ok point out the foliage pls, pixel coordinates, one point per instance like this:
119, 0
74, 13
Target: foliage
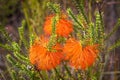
86, 30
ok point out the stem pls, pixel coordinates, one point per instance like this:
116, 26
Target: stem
2, 76
67, 70
106, 60
53, 36
90, 15
101, 19
41, 75
69, 73
58, 74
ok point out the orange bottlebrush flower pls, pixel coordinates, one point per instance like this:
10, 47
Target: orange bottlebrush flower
63, 26
42, 58
78, 56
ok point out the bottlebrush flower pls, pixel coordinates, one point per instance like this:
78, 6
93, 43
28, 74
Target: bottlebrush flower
42, 58
78, 56
63, 26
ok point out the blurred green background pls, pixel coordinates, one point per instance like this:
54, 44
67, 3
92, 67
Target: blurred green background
12, 12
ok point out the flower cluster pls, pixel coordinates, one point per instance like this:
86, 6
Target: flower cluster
63, 26
78, 56
42, 58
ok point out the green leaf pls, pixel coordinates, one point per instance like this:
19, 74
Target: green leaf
115, 45
13, 75
10, 59
80, 7
74, 19
54, 7
6, 46
113, 30
22, 34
